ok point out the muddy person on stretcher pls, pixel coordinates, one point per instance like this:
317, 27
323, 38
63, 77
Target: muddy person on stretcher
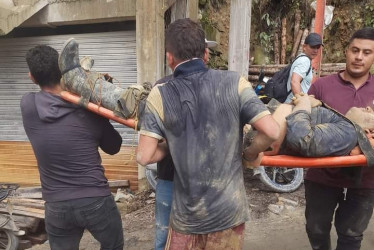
308, 128
311, 129
98, 88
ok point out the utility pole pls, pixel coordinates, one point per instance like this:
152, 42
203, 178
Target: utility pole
318, 28
239, 36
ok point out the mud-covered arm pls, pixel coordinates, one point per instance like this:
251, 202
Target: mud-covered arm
255, 113
111, 140
267, 132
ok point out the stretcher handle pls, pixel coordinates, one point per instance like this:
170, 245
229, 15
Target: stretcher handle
321, 162
67, 96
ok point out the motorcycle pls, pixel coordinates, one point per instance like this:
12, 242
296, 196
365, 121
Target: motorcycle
282, 180
277, 179
9, 232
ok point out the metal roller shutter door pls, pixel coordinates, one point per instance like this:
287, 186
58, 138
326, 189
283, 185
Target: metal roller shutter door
113, 52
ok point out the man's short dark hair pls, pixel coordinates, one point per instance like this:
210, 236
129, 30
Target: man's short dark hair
185, 39
365, 33
43, 65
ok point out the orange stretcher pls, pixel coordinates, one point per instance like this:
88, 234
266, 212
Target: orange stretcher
321, 162
67, 96
268, 161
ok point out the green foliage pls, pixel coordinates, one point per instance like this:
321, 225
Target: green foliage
269, 22
265, 38
266, 19
368, 15
265, 41
217, 3
216, 61
207, 23
363, 17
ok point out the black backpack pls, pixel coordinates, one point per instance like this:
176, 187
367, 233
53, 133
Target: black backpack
276, 87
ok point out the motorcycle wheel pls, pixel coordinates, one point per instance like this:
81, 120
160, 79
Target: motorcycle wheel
8, 240
151, 175
283, 180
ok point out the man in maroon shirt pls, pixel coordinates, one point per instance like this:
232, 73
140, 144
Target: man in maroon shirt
327, 189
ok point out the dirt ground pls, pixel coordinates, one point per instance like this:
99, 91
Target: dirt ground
266, 229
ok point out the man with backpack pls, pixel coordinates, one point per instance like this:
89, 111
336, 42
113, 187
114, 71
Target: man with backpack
300, 76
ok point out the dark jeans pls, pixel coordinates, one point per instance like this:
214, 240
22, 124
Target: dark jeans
65, 222
352, 215
164, 198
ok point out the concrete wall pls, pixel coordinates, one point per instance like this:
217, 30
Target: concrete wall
50, 13
11, 16
65, 12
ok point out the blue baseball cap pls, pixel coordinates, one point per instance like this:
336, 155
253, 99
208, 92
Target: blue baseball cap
313, 39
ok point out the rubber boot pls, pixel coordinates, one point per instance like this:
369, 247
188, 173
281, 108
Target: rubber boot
89, 85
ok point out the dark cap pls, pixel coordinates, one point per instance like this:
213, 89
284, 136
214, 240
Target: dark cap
313, 39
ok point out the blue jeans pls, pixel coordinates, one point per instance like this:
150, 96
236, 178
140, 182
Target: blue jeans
65, 222
164, 197
353, 212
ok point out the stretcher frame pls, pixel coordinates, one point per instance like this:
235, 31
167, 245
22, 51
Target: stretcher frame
268, 161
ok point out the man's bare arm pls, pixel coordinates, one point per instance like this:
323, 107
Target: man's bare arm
150, 150
296, 83
267, 132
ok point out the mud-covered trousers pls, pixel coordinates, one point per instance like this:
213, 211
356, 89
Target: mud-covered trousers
320, 133
354, 208
65, 222
164, 198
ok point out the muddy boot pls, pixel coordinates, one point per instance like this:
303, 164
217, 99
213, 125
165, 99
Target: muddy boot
73, 76
69, 57
89, 85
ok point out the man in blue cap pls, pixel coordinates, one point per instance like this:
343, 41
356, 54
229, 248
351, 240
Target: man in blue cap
301, 73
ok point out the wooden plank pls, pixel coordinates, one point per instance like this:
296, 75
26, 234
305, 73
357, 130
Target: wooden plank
32, 212
27, 223
31, 203
119, 183
37, 239
18, 165
30, 192
24, 244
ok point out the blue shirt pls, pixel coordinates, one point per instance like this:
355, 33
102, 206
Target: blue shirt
300, 66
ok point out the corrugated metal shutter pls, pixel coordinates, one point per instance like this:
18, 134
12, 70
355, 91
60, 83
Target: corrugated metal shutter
113, 52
